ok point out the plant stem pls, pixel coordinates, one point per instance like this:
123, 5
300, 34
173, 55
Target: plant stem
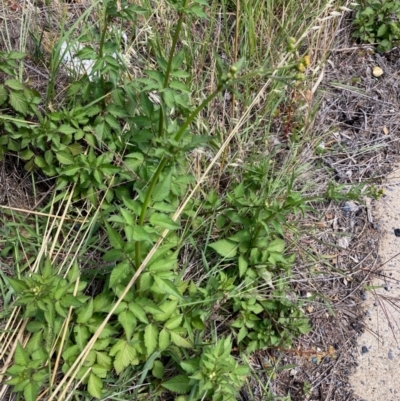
163, 163
169, 64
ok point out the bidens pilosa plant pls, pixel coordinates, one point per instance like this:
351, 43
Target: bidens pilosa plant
112, 144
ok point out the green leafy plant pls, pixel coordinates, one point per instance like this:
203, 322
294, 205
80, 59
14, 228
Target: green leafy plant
214, 375
378, 22
121, 144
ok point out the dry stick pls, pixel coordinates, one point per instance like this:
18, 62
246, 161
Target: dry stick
39, 213
96, 335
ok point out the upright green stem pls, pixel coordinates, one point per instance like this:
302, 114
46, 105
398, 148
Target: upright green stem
163, 163
169, 64
101, 51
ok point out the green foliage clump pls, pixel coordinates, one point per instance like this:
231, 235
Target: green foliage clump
378, 22
126, 154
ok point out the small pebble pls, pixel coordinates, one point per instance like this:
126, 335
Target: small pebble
364, 349
397, 232
390, 355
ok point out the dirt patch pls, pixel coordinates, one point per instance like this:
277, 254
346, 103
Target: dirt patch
378, 348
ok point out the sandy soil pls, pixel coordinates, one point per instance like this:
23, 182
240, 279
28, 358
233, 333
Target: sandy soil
377, 375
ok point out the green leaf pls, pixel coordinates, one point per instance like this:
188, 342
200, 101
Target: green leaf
3, 94
65, 158
164, 339
103, 359
31, 391
73, 273
242, 334
174, 322
17, 285
163, 188
242, 265
128, 322
119, 273
95, 385
277, 245
115, 237
158, 370
18, 102
180, 86
14, 55
100, 370
180, 341
139, 312
124, 355
167, 287
382, 30
151, 338
81, 336
225, 248
21, 357
71, 352
14, 84
85, 312
167, 308
66, 129
178, 384
163, 221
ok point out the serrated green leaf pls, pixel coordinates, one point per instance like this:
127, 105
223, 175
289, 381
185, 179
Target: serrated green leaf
163, 188
178, 384
17, 285
190, 366
124, 356
35, 326
242, 334
14, 84
167, 286
128, 322
117, 111
174, 322
65, 158
151, 338
104, 360
40, 162
66, 129
100, 370
18, 102
180, 86
95, 385
82, 334
21, 357
139, 312
31, 391
163, 221
167, 309
119, 273
71, 352
277, 245
164, 339
114, 236
85, 312
225, 248
180, 341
